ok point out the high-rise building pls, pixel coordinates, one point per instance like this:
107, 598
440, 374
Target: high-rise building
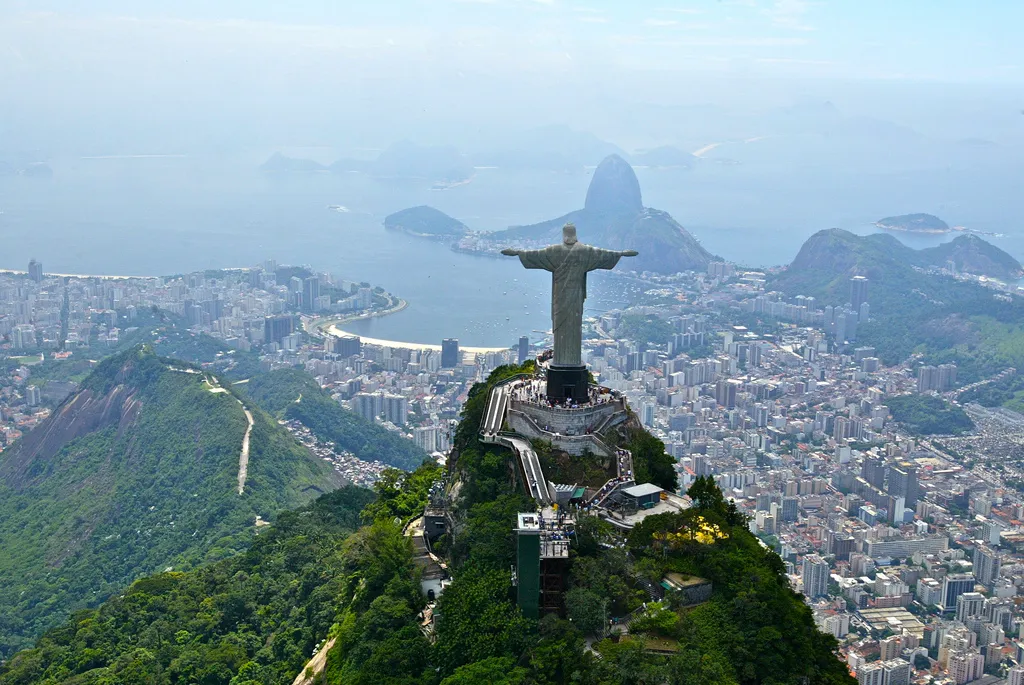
965, 667
858, 292
1015, 676
903, 483
344, 345
815, 576
369, 405
986, 565
449, 353
35, 270
896, 672
32, 396
789, 508
954, 585
23, 336
524, 349
969, 604
310, 293
396, 409
277, 328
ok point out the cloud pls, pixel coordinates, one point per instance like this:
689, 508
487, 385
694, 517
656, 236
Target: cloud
594, 20
660, 22
793, 60
680, 10
789, 14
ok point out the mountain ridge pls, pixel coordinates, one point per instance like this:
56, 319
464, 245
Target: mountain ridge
136, 471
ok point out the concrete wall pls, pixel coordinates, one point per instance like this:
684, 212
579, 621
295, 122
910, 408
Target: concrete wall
570, 421
576, 445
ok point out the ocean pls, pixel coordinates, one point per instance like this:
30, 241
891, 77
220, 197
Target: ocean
165, 215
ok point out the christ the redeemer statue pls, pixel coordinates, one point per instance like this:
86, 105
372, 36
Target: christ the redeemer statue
568, 263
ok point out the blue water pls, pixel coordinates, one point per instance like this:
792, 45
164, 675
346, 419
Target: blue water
173, 215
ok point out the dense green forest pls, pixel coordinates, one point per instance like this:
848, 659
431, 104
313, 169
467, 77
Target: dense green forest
280, 392
253, 619
136, 472
929, 415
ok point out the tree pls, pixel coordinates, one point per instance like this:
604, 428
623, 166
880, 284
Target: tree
586, 610
494, 670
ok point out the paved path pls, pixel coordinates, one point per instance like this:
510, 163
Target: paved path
243, 457
315, 665
494, 418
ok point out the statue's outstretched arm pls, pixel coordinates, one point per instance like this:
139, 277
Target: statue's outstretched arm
510, 252
629, 253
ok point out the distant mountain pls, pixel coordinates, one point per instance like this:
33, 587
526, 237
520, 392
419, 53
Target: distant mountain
426, 222
665, 157
614, 217
278, 164
136, 472
405, 159
830, 257
973, 255
914, 223
548, 148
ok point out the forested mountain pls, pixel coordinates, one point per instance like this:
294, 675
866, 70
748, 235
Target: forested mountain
294, 394
944, 319
136, 472
257, 615
254, 619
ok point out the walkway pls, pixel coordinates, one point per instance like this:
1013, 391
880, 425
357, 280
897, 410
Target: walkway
315, 666
490, 432
243, 457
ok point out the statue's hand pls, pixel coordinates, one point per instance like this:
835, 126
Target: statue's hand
630, 253
509, 252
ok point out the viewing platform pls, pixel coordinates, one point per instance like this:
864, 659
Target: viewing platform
572, 427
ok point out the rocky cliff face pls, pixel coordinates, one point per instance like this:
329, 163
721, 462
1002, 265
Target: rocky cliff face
614, 189
614, 217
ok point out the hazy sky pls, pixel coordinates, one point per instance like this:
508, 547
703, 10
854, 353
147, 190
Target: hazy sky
120, 68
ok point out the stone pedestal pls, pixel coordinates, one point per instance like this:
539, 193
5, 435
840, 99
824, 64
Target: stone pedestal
568, 382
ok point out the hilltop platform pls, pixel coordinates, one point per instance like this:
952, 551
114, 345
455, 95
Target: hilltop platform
572, 427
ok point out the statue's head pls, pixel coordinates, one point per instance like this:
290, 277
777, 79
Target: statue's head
569, 234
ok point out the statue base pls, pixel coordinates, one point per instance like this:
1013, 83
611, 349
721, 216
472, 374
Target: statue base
569, 383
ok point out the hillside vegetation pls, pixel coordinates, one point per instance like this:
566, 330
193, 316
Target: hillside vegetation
911, 311
929, 415
253, 619
294, 394
136, 472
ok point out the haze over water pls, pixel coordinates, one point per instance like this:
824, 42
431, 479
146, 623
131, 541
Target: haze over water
164, 215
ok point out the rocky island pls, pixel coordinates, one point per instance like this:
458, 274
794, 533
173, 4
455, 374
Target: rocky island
914, 223
426, 222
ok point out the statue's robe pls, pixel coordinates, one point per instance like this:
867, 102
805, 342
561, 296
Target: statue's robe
568, 265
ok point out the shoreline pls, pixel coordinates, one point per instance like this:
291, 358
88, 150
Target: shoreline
331, 328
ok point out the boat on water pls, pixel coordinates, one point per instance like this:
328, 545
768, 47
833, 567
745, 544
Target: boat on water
338, 208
